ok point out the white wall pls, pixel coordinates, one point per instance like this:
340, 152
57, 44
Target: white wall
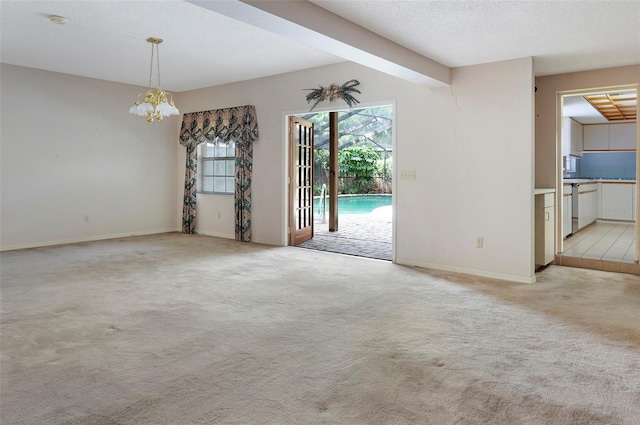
475, 163
217, 218
69, 149
471, 146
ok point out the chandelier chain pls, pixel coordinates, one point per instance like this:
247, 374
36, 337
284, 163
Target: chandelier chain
158, 61
151, 66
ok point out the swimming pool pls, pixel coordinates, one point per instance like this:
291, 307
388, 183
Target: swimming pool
354, 204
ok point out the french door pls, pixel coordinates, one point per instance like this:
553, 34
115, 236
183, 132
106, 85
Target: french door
300, 180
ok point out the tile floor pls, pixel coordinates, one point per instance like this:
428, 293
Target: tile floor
602, 246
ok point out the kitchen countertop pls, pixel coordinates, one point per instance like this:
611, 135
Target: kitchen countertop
582, 181
543, 191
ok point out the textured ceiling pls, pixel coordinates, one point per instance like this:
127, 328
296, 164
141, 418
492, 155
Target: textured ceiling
562, 36
105, 39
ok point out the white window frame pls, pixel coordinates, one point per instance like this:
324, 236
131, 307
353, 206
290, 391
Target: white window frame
222, 158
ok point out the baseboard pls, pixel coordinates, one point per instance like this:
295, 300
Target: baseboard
218, 235
472, 272
614, 221
88, 239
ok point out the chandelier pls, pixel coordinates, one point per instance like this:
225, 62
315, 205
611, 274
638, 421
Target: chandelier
155, 103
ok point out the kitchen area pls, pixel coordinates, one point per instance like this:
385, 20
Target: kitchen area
597, 211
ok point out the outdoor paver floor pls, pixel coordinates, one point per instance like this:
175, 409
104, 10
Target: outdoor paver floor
363, 235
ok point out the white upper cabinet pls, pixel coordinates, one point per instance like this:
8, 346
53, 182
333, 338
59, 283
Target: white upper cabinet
566, 137
596, 137
576, 139
622, 136
571, 137
614, 137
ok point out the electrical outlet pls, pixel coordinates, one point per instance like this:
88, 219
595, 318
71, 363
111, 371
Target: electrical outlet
86, 218
479, 242
219, 215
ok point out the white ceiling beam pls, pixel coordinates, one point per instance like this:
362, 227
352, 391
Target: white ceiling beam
316, 27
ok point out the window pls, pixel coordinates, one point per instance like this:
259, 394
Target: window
216, 167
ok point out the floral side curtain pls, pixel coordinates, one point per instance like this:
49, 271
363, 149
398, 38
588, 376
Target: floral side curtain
238, 124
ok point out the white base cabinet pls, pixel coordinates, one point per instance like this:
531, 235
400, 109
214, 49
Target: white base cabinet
617, 201
566, 211
545, 228
587, 204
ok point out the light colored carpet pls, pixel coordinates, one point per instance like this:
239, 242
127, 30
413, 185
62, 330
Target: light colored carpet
178, 329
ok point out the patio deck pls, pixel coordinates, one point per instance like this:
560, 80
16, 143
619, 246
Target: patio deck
363, 235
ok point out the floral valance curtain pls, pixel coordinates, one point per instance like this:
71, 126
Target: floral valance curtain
238, 124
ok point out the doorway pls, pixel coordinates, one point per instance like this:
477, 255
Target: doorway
597, 173
364, 184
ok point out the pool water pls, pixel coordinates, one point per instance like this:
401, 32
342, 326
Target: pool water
358, 204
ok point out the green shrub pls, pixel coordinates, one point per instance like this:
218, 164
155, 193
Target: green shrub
361, 162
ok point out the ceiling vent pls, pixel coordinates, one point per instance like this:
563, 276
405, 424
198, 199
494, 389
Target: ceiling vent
615, 106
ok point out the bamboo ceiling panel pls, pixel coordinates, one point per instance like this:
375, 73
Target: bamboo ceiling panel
615, 106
